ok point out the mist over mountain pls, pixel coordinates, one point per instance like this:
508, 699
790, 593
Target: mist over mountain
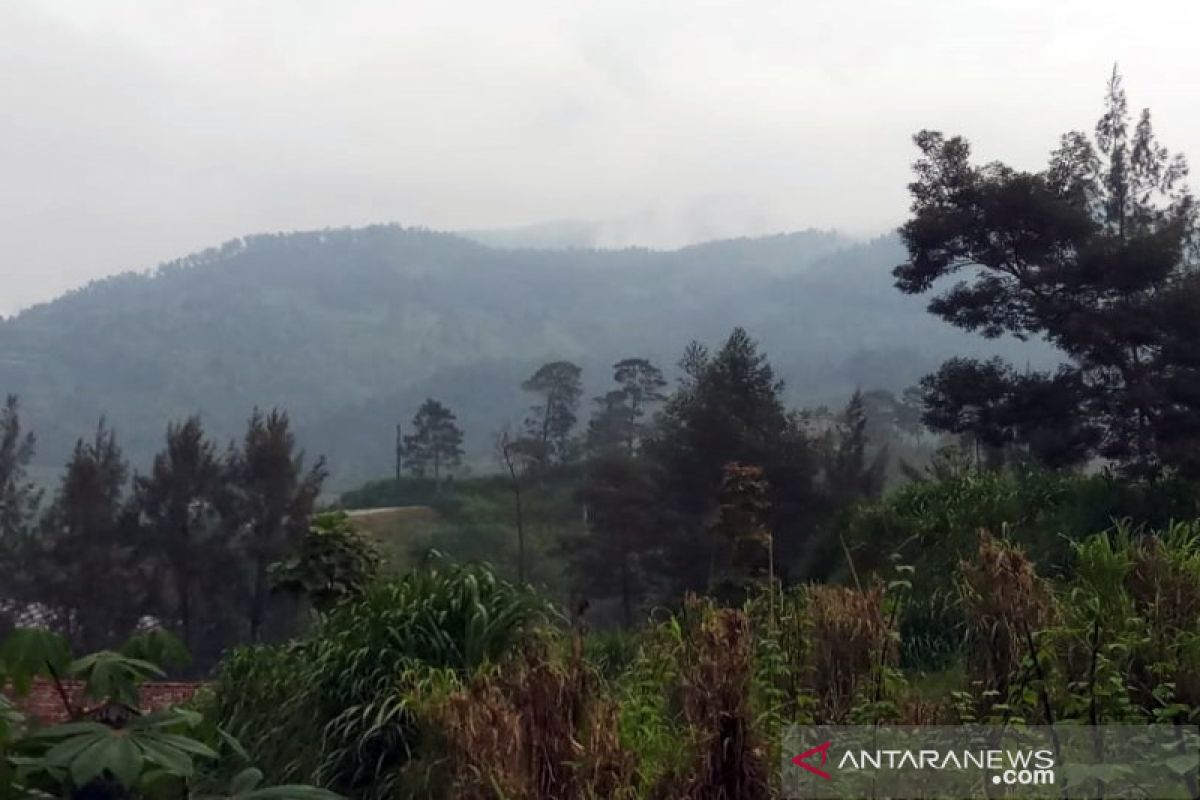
351, 329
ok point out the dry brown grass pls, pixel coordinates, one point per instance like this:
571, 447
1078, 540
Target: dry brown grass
713, 698
848, 642
540, 729
1006, 604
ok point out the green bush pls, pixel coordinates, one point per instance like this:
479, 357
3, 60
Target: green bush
935, 524
335, 706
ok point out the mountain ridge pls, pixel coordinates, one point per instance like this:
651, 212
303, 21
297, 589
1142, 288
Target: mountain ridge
350, 328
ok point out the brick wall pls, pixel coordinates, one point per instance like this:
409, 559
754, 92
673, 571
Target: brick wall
44, 705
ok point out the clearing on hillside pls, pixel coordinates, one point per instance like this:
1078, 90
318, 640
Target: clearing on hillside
396, 528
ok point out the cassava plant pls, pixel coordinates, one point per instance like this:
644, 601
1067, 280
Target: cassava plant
109, 747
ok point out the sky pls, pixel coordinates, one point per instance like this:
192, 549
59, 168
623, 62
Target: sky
136, 131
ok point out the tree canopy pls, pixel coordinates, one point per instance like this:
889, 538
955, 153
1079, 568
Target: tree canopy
1096, 254
435, 445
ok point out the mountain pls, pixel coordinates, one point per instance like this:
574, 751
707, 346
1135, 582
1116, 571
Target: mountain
351, 329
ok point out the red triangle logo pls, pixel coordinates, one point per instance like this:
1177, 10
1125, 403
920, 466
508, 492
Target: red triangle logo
802, 759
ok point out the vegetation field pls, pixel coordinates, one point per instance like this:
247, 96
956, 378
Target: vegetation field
649, 586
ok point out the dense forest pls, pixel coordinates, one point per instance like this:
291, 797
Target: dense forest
351, 330
667, 563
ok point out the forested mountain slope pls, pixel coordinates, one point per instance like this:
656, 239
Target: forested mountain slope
350, 329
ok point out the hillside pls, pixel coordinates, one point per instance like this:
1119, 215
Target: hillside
351, 329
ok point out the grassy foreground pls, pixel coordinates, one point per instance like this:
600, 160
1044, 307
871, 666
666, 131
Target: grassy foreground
450, 682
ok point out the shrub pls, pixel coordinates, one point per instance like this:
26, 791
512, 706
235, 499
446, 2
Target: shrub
541, 725
934, 525
335, 706
1007, 606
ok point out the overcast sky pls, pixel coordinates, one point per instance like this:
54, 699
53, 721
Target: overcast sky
135, 131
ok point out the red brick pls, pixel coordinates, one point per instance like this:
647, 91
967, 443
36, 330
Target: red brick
44, 705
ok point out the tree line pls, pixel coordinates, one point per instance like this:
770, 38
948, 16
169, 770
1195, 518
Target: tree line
199, 541
650, 462
189, 544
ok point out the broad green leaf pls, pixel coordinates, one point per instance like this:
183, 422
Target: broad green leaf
108, 675
66, 751
1181, 764
170, 759
124, 760
29, 653
186, 744
91, 761
71, 729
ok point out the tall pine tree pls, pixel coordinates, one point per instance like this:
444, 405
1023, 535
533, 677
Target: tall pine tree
729, 409
19, 498
1096, 254
552, 419
435, 445
274, 503
91, 570
19, 501
852, 471
620, 417
184, 505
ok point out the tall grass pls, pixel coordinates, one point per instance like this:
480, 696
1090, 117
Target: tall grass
451, 683
335, 707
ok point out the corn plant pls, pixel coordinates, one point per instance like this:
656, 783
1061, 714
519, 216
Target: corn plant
335, 707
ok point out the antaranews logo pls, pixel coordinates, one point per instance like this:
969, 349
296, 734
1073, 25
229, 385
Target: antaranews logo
972, 761
1011, 767
802, 759
1007, 767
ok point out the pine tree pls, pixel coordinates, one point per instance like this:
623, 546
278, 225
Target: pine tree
1095, 254
90, 570
642, 386
611, 424
620, 417
552, 419
19, 502
851, 472
729, 409
624, 514
274, 503
183, 504
742, 547
19, 498
436, 442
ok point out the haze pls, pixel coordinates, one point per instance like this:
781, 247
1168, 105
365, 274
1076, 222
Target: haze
135, 132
